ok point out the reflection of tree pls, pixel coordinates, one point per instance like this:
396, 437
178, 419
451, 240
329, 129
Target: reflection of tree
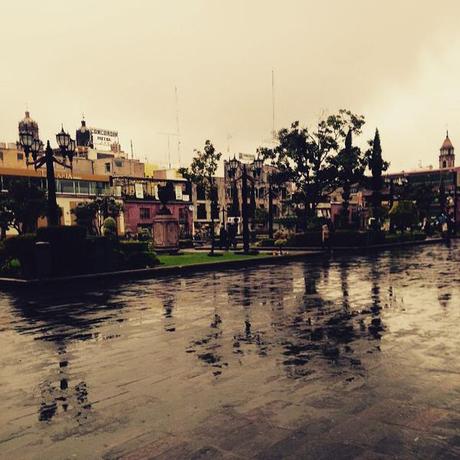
444, 284
207, 348
375, 327
60, 325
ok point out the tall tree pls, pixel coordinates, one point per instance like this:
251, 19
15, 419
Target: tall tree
92, 214
22, 207
303, 156
349, 166
377, 166
202, 173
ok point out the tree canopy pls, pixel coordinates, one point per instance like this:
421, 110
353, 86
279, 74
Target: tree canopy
202, 173
304, 155
22, 207
92, 214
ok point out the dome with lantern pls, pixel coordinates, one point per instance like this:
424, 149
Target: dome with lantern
28, 124
83, 135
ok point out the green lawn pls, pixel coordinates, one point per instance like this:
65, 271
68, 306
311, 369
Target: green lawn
193, 258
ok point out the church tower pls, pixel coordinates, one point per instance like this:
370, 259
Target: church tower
446, 154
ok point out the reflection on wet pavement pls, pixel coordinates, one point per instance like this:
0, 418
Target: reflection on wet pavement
352, 357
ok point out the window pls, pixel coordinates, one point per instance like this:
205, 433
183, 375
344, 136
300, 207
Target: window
20, 156
201, 211
107, 167
200, 193
1, 156
144, 213
84, 187
67, 186
119, 163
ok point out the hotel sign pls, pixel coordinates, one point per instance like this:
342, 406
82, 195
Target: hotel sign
103, 138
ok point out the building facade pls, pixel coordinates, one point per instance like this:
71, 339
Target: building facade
141, 203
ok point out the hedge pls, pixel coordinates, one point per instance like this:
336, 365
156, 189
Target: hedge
128, 247
68, 248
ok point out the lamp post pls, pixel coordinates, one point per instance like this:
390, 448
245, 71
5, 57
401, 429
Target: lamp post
47, 158
258, 167
255, 168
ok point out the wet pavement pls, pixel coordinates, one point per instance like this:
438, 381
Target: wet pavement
353, 357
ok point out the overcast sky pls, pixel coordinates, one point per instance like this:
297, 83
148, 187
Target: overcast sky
396, 62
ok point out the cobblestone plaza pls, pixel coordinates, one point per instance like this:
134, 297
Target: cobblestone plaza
348, 357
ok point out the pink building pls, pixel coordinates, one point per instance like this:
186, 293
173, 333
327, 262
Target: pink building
141, 203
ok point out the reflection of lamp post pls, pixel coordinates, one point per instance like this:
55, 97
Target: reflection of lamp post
48, 158
234, 166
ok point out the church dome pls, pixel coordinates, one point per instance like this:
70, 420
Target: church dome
27, 124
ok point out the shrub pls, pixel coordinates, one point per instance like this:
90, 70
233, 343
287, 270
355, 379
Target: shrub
61, 233
349, 238
144, 235
11, 268
22, 248
141, 260
102, 255
288, 222
266, 243
279, 243
305, 239
110, 227
398, 237
129, 247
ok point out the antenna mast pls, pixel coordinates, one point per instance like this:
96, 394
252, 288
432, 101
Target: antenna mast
132, 150
177, 125
273, 107
169, 145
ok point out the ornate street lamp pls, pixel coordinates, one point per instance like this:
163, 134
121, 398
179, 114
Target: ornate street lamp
26, 140
47, 158
257, 166
234, 166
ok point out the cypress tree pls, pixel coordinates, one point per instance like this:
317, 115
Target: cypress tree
377, 181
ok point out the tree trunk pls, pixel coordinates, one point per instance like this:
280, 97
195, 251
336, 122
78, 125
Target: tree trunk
345, 205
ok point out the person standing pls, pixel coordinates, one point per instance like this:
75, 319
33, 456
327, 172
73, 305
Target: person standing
223, 237
231, 237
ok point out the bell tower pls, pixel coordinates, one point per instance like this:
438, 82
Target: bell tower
446, 154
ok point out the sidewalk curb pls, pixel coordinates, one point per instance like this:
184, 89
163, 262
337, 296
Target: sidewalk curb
157, 271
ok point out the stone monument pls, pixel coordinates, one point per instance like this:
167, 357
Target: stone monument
165, 225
